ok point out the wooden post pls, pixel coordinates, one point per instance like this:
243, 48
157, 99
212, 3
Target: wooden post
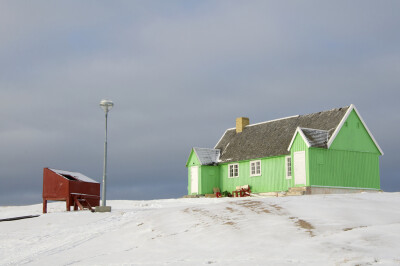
68, 204
44, 205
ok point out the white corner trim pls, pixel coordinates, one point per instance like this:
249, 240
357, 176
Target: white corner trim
339, 127
302, 135
221, 137
198, 158
369, 132
320, 130
187, 162
274, 120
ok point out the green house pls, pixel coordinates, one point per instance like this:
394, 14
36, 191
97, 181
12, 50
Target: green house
326, 152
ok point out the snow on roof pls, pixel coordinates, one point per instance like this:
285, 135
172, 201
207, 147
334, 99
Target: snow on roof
75, 175
207, 156
316, 137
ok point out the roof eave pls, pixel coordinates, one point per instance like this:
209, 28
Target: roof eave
187, 162
223, 135
298, 130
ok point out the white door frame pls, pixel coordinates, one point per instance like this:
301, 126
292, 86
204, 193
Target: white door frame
194, 179
300, 175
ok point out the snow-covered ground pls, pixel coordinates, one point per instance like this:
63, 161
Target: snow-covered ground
356, 229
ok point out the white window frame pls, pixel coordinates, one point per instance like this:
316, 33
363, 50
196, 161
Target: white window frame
288, 159
233, 173
255, 168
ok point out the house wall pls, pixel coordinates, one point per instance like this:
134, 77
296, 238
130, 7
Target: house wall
273, 176
299, 145
353, 136
351, 161
208, 175
208, 179
344, 168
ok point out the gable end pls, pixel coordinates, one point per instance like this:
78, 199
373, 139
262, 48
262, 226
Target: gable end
342, 123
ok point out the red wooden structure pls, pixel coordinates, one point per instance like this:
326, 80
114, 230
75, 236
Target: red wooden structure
242, 191
75, 188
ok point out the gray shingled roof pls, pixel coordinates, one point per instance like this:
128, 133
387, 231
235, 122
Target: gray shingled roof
315, 137
273, 138
207, 156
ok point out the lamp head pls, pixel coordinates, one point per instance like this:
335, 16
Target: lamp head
106, 105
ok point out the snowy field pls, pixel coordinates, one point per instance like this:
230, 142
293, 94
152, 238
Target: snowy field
356, 229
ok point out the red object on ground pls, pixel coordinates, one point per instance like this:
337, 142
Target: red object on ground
244, 191
75, 188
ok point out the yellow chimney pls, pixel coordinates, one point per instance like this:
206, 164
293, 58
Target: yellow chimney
241, 122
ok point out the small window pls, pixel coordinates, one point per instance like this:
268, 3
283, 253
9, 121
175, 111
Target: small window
233, 170
288, 167
255, 168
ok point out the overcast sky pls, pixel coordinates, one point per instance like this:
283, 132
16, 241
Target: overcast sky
179, 73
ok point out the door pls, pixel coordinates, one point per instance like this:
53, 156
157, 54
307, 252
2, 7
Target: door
300, 168
194, 179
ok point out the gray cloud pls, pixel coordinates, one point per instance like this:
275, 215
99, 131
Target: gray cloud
179, 73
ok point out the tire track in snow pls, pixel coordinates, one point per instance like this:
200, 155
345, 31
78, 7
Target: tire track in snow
60, 241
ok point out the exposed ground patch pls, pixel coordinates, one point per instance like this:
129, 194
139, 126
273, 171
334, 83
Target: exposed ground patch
231, 210
352, 228
253, 205
276, 207
208, 218
303, 225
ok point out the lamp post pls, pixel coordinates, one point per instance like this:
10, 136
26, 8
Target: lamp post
106, 105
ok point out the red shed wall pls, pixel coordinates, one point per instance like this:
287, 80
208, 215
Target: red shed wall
54, 186
84, 188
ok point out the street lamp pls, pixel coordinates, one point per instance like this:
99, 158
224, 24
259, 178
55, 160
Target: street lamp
106, 105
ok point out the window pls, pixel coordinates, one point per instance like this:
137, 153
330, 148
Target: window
288, 167
233, 170
255, 168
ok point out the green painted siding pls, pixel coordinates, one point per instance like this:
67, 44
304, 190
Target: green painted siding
273, 176
193, 160
299, 145
354, 137
344, 168
351, 161
208, 179
208, 175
